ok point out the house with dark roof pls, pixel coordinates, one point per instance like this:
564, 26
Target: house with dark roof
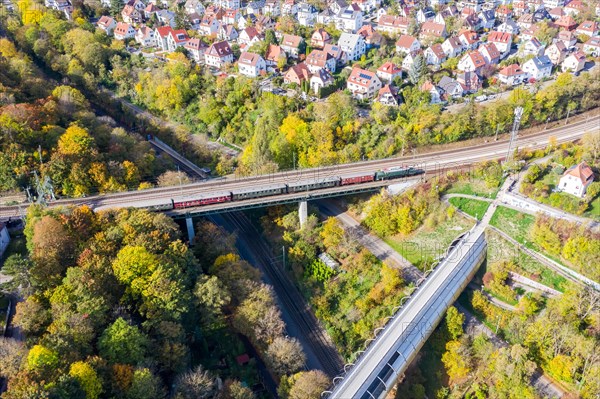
218, 55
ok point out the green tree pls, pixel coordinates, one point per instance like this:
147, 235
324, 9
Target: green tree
123, 343
145, 385
18, 268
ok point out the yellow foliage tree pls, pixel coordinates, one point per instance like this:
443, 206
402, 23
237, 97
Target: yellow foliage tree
87, 378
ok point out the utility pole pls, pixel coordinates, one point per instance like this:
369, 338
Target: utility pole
283, 255
513, 134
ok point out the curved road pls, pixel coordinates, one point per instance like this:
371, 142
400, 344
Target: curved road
432, 163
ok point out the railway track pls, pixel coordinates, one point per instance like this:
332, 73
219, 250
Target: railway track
437, 162
295, 304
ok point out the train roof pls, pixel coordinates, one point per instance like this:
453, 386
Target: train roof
395, 168
260, 189
314, 181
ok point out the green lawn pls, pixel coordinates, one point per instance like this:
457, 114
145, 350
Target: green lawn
424, 245
594, 209
472, 187
470, 206
514, 223
500, 249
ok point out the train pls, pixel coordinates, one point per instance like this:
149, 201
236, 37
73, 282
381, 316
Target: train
287, 188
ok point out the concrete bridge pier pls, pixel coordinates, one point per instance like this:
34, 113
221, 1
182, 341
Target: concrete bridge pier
302, 212
190, 228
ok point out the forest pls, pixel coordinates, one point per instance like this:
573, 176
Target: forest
117, 306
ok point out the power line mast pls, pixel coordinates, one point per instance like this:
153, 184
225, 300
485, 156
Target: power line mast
513, 134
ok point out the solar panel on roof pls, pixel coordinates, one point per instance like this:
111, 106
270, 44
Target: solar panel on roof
364, 76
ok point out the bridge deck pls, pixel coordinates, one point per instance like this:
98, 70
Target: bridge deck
390, 354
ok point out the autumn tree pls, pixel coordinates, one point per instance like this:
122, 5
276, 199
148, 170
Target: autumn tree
88, 379
195, 384
285, 355
308, 385
454, 322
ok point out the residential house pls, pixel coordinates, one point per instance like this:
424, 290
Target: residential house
451, 87
255, 7
532, 47
209, 26
289, 7
512, 75
554, 3
556, 13
246, 20
194, 21
389, 95
353, 45
196, 49
470, 82
176, 38
363, 84
251, 65
574, 7
452, 47
320, 38
306, 15
557, 52
471, 62
568, 38
503, 13
490, 53
107, 24
469, 39
587, 28
322, 78
337, 53
166, 17
218, 55
407, 44
319, 59
526, 21
274, 55
388, 72
292, 45
538, 68
131, 15
508, 26
409, 60
434, 91
592, 46
227, 32
433, 30
194, 6
297, 74
150, 10
124, 31
576, 180
529, 33
231, 17
435, 55
272, 8
393, 25
371, 36
264, 23
488, 19
473, 22
249, 36
424, 14
502, 40
228, 4
566, 22
574, 62
145, 37
349, 20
